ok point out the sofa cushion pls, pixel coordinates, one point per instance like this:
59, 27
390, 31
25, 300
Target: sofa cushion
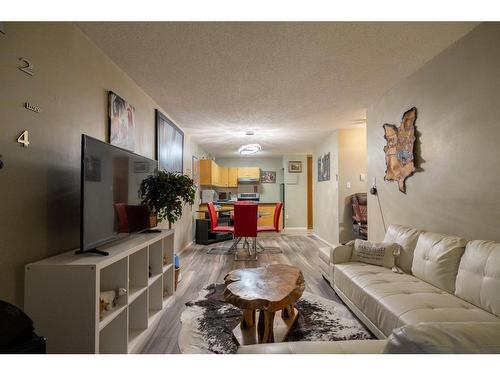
436, 259
407, 239
379, 254
316, 347
445, 338
478, 278
391, 300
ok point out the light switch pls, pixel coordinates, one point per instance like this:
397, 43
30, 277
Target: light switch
348, 185
362, 177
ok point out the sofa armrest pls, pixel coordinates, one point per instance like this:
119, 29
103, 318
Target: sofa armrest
445, 338
340, 254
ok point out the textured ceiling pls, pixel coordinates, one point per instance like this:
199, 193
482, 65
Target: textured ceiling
292, 83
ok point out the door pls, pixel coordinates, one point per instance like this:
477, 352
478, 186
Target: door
309, 193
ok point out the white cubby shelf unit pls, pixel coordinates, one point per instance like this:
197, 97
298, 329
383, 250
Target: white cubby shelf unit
62, 295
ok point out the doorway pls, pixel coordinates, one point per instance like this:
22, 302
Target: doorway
309, 192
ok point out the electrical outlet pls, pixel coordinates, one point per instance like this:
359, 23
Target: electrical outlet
348, 185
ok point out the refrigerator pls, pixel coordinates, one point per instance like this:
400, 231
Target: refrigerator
282, 199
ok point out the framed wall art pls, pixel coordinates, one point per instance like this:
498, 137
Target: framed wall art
268, 177
324, 167
294, 166
121, 122
169, 144
195, 167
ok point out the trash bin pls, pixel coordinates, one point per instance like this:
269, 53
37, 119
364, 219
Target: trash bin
17, 334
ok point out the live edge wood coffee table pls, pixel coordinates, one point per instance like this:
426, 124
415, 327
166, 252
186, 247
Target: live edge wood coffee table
268, 289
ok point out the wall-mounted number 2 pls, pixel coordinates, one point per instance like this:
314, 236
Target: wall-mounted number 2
24, 138
28, 68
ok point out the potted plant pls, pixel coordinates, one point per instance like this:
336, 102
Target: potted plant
165, 193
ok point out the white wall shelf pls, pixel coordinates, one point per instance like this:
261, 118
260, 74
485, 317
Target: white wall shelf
62, 295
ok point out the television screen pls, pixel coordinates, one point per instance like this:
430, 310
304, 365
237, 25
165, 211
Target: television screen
110, 202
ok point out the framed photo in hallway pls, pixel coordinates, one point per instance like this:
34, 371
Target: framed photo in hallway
324, 167
121, 122
169, 144
294, 166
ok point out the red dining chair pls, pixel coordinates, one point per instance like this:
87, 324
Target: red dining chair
216, 228
245, 226
276, 224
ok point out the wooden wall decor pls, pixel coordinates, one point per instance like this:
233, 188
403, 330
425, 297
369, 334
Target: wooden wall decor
399, 156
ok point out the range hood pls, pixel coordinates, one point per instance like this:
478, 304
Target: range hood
248, 180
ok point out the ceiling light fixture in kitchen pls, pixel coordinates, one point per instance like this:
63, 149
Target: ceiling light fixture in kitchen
249, 149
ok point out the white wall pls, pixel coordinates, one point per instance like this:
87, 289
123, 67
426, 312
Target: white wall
296, 195
332, 204
268, 192
325, 193
457, 96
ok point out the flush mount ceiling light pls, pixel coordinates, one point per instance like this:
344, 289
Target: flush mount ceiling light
249, 149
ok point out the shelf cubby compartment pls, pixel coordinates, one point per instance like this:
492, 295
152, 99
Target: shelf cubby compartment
137, 318
114, 337
168, 250
113, 277
155, 297
168, 283
155, 258
138, 273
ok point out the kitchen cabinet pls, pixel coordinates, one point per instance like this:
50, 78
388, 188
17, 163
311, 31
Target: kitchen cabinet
223, 176
213, 175
209, 173
249, 172
232, 177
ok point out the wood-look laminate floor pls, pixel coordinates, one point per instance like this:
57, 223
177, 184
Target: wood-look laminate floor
200, 269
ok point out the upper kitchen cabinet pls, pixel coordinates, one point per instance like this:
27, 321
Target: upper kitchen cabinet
223, 176
209, 173
232, 177
249, 172
213, 175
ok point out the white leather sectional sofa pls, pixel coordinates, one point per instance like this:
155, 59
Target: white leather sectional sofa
446, 301
446, 279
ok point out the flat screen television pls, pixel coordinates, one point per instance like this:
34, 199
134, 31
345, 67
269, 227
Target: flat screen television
110, 202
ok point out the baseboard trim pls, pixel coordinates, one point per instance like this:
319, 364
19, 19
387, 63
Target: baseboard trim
323, 240
185, 247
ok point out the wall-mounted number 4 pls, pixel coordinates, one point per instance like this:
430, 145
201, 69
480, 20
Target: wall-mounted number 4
24, 138
28, 68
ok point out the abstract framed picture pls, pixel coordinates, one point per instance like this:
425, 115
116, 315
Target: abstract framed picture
121, 122
195, 167
294, 166
169, 144
268, 177
324, 167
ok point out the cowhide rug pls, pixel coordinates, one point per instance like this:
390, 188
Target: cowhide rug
208, 322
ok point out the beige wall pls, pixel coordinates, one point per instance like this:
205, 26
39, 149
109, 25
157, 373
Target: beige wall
352, 164
296, 194
457, 95
326, 193
268, 192
332, 206
39, 185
